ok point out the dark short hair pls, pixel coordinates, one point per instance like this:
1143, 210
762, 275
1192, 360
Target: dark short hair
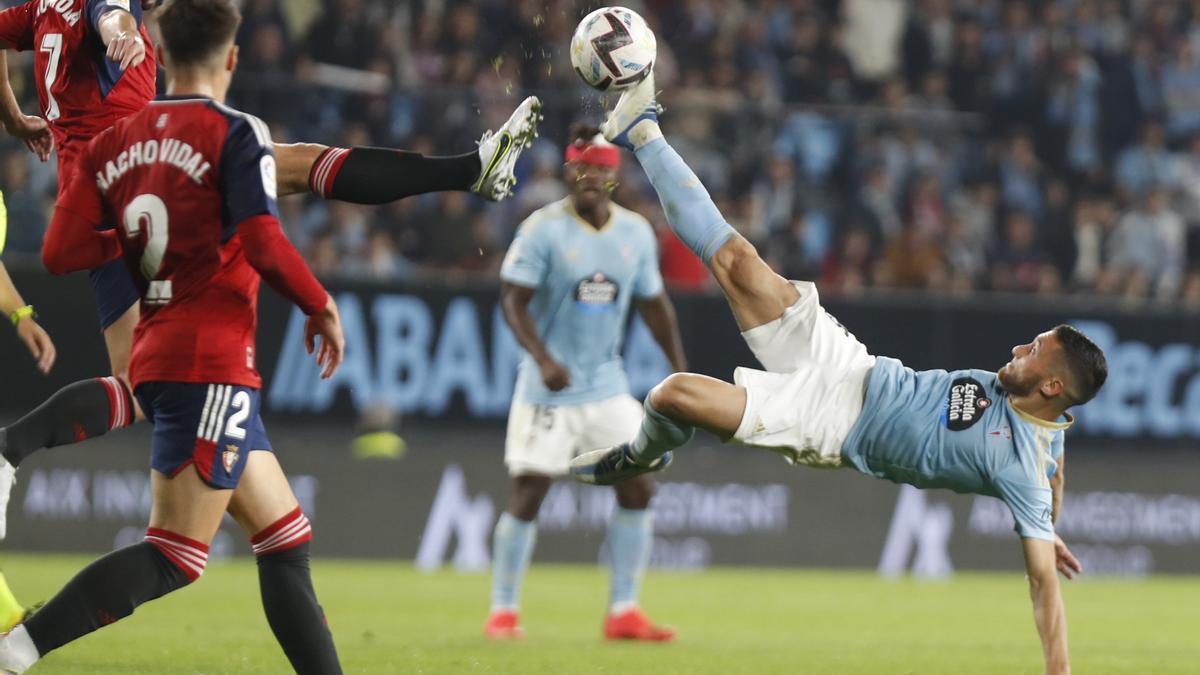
193, 30
1086, 366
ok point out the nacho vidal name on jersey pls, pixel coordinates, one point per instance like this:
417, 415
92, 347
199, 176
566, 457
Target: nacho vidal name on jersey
170, 151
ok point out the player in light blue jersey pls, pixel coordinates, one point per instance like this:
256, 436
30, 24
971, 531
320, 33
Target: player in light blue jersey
824, 401
568, 281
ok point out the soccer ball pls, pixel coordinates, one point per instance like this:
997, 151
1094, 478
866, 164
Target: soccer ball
613, 48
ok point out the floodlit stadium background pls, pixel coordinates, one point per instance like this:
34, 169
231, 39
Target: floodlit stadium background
957, 176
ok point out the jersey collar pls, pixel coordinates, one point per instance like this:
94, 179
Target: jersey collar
1037, 421
612, 215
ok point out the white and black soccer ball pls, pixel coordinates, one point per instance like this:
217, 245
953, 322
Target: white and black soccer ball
613, 48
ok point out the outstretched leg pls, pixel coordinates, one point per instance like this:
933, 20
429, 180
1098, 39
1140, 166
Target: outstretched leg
756, 294
381, 175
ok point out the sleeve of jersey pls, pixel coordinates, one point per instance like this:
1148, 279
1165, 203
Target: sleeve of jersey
72, 241
649, 282
269, 252
96, 9
526, 264
16, 27
1031, 507
247, 170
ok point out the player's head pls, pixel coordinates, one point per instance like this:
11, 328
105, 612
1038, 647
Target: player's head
591, 167
1061, 364
197, 40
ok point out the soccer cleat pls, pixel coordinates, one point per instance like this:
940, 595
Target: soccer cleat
613, 465
633, 624
503, 624
8, 478
635, 105
498, 151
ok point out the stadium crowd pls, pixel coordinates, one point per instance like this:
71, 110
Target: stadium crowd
951, 145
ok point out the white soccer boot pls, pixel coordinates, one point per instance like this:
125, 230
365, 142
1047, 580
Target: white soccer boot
498, 151
636, 105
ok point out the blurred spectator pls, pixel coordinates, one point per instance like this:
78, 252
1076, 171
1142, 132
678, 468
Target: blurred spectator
867, 142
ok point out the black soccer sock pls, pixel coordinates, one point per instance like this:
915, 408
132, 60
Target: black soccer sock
292, 610
110, 589
380, 175
76, 412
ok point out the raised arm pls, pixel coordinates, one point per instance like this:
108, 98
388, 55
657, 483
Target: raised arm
659, 315
1048, 612
122, 40
514, 302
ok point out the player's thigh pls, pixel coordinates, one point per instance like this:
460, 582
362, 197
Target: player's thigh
186, 505
294, 162
263, 495
700, 401
540, 439
805, 415
609, 422
756, 294
806, 334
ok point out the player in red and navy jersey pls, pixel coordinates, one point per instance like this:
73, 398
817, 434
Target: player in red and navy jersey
190, 185
93, 66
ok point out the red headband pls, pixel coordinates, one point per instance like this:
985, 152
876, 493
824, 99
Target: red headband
594, 153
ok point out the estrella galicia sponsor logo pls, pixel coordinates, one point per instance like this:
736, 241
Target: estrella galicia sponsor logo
596, 293
966, 404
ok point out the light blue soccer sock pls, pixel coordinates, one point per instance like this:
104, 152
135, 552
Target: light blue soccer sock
690, 210
512, 548
630, 540
658, 435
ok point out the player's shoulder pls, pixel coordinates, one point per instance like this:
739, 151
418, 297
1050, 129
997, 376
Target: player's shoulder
544, 221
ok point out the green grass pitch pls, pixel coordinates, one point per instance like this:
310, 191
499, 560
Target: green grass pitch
389, 618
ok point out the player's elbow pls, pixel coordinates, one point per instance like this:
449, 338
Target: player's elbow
54, 260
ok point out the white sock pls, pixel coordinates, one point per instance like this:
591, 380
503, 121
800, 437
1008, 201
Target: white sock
17, 651
643, 132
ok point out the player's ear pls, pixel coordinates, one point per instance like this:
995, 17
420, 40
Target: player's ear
231, 59
161, 55
1053, 387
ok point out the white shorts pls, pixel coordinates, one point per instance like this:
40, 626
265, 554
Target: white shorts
543, 439
811, 393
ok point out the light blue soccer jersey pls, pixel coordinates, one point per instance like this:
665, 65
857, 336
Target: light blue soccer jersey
584, 281
957, 430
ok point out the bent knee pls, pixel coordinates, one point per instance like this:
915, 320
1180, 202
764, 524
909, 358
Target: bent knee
735, 253
676, 394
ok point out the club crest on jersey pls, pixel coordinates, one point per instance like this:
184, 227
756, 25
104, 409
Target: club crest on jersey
596, 293
229, 458
965, 404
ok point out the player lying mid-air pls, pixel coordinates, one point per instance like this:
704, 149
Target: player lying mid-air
824, 401
198, 236
93, 67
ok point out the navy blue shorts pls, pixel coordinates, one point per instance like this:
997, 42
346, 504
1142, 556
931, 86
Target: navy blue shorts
114, 289
212, 426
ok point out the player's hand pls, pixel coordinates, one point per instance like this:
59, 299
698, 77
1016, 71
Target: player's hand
554, 375
35, 132
327, 324
39, 343
126, 50
1064, 560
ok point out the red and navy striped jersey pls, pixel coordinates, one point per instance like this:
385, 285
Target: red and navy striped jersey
80, 91
177, 179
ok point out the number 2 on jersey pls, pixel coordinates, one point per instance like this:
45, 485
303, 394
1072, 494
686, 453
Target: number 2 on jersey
52, 43
148, 212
